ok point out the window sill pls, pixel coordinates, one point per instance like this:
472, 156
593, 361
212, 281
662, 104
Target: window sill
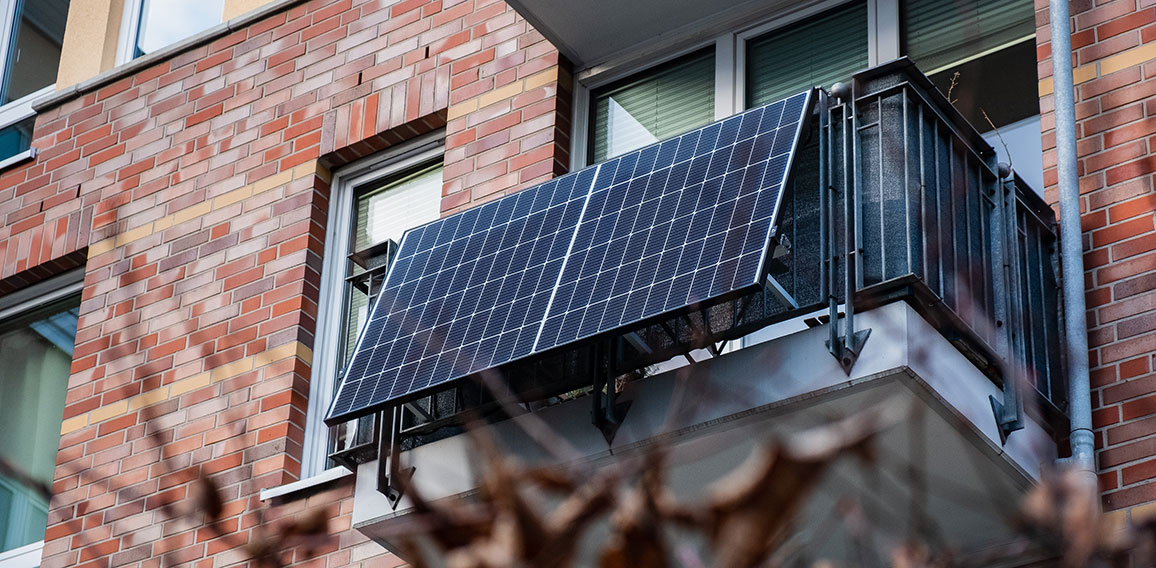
27, 556
17, 159
291, 491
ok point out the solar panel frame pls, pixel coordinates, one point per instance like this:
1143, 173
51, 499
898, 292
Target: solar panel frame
622, 202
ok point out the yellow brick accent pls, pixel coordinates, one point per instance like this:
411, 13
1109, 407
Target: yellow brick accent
190, 384
134, 234
275, 180
224, 372
232, 197
105, 412
548, 76
149, 398
275, 354
461, 109
73, 424
1080, 74
1143, 513
233, 369
99, 248
1130, 58
190, 213
509, 91
162, 224
304, 353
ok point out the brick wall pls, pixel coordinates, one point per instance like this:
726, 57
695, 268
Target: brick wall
1115, 59
194, 191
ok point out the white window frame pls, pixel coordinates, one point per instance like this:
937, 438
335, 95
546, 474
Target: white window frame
27, 556
883, 44
331, 307
21, 108
129, 27
13, 305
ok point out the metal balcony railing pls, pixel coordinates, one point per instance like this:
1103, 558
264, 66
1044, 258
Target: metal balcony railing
918, 209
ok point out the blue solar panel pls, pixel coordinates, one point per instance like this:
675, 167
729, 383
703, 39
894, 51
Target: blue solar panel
677, 223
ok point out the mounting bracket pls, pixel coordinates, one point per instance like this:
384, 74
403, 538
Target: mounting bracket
846, 349
607, 412
1009, 413
391, 477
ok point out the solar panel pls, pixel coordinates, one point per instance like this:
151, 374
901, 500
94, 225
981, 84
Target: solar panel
683, 221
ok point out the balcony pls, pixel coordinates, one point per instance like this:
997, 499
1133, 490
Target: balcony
907, 264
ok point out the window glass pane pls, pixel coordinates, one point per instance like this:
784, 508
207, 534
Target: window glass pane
163, 22
659, 103
384, 212
37, 353
939, 32
814, 53
16, 138
34, 52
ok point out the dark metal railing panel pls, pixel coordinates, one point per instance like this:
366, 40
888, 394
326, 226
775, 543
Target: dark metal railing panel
926, 202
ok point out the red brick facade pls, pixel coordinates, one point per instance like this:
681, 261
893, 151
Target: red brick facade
194, 191
1115, 59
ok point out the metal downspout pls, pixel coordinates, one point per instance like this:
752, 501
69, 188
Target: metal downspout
1071, 247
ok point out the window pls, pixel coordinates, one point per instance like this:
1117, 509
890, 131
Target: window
982, 53
988, 42
659, 103
818, 51
372, 207
36, 341
152, 24
30, 50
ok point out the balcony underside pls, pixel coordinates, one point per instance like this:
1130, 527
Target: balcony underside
971, 482
589, 32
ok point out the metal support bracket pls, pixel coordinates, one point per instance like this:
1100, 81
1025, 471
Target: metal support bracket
1009, 413
607, 411
391, 477
846, 349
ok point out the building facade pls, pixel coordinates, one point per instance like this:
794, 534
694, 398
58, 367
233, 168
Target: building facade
198, 212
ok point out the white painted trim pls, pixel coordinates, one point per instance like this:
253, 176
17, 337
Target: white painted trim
18, 158
331, 474
726, 73
21, 108
884, 31
27, 556
8, 12
330, 309
41, 293
129, 28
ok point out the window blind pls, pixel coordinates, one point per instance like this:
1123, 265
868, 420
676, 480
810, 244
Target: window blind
812, 53
941, 32
659, 103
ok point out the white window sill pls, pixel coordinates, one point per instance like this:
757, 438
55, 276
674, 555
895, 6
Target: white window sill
18, 158
27, 556
286, 491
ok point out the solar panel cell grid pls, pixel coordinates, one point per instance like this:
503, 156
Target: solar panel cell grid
656, 230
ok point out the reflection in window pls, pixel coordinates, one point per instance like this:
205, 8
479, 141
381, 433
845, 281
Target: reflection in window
34, 48
36, 350
814, 53
666, 101
163, 22
16, 138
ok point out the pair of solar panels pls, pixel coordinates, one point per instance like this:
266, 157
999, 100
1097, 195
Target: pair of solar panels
680, 222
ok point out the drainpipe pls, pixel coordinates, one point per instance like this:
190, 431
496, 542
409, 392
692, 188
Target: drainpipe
1071, 248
